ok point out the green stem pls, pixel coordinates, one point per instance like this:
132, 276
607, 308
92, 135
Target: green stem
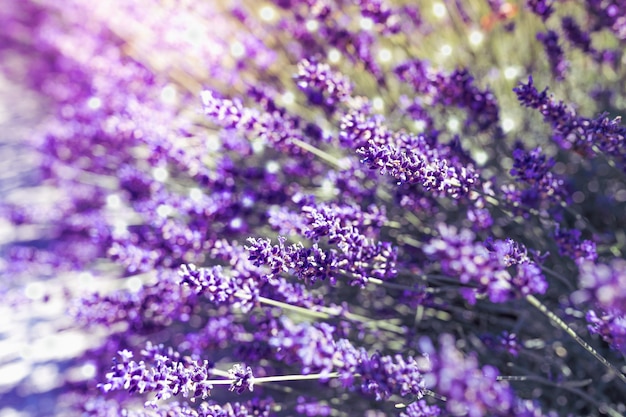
327, 313
570, 387
276, 378
556, 320
320, 153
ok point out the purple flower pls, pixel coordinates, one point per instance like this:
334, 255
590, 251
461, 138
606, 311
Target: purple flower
576, 35
315, 348
605, 284
410, 160
318, 78
373, 220
608, 15
167, 376
358, 255
454, 89
542, 8
574, 132
533, 169
421, 409
556, 58
611, 327
210, 281
309, 264
470, 389
242, 378
312, 408
572, 245
484, 269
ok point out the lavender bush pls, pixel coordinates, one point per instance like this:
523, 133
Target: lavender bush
318, 208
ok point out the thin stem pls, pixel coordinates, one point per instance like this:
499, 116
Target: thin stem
558, 276
286, 306
279, 378
276, 378
402, 287
567, 386
320, 153
556, 320
327, 313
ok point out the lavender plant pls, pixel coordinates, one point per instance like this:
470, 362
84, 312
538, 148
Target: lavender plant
333, 208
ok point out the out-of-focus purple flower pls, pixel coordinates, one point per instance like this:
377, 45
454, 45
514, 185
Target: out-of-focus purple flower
312, 346
153, 306
454, 89
483, 269
421, 409
469, 389
556, 58
230, 114
504, 341
608, 14
318, 79
312, 408
576, 35
532, 168
574, 132
380, 13
481, 219
99, 407
542, 8
317, 350
605, 284
611, 327
573, 246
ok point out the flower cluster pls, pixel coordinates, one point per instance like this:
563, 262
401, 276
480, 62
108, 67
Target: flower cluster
470, 390
606, 284
483, 269
455, 89
167, 376
315, 207
316, 79
533, 168
317, 350
570, 131
554, 52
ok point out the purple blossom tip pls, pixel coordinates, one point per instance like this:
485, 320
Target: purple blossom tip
242, 378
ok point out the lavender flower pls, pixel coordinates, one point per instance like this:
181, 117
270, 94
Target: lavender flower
605, 284
571, 131
318, 195
409, 159
534, 169
558, 65
542, 8
573, 246
380, 375
474, 264
314, 78
242, 378
454, 89
576, 35
421, 409
312, 408
471, 390
611, 327
167, 377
